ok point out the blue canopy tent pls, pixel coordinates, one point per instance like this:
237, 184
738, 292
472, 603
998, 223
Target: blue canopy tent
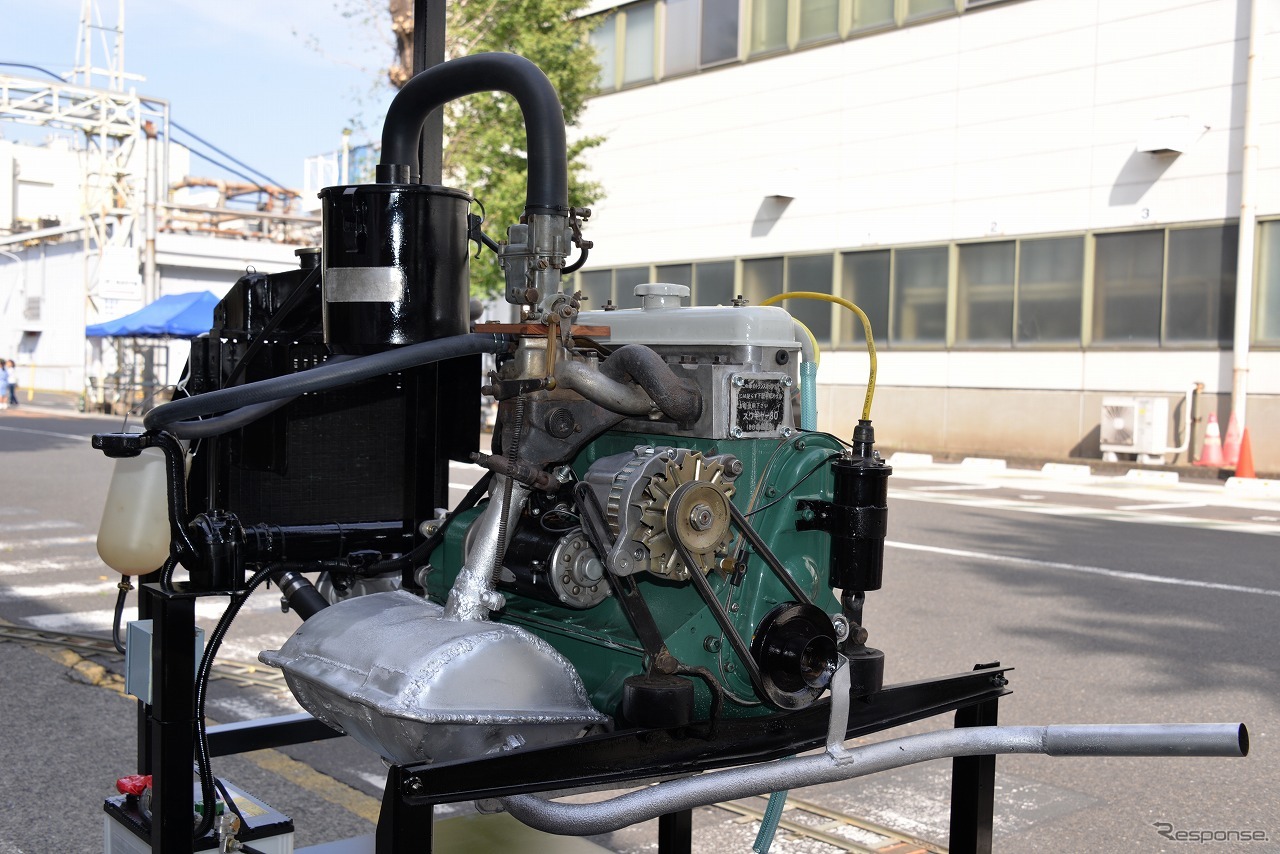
141, 342
171, 316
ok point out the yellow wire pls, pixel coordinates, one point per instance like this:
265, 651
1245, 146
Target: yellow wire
817, 351
866, 327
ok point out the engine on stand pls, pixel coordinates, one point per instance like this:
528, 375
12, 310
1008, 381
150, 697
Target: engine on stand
662, 571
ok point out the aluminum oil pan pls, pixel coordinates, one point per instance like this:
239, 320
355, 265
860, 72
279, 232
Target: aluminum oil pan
387, 670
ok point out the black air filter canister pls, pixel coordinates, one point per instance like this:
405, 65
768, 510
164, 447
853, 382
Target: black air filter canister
394, 265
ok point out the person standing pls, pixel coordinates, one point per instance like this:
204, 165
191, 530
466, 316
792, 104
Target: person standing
11, 382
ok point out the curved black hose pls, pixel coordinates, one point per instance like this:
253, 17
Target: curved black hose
176, 480
233, 420
576, 265
236, 418
323, 377
548, 187
202, 683
679, 399
125, 586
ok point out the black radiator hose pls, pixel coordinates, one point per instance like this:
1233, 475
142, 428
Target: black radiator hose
548, 187
324, 377
679, 399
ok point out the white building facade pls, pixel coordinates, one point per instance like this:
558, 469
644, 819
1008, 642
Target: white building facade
1039, 203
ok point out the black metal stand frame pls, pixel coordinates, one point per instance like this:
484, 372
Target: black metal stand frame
167, 741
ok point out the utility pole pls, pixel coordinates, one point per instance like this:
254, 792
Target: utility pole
428, 50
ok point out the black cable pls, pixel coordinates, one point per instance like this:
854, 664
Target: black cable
189, 133
125, 586
264, 176
222, 165
231, 804
406, 562
57, 77
576, 265
202, 683
795, 485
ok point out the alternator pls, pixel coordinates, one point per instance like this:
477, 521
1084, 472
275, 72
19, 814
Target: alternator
636, 490
702, 517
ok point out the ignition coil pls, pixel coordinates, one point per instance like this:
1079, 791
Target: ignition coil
857, 520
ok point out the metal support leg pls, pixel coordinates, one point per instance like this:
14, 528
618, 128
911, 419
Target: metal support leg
403, 828
172, 724
675, 833
973, 783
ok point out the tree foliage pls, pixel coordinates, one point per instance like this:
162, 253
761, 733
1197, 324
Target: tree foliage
484, 134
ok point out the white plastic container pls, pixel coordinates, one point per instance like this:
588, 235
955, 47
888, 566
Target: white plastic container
133, 538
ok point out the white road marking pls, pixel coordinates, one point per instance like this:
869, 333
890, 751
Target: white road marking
40, 526
1169, 506
50, 591
29, 567
1108, 514
16, 511
84, 439
463, 486
47, 542
956, 487
378, 781
101, 619
1088, 570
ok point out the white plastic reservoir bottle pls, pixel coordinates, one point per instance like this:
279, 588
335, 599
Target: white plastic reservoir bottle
133, 538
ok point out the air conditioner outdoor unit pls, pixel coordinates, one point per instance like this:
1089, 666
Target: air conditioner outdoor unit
1134, 425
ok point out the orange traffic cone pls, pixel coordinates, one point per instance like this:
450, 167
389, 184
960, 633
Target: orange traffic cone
1244, 468
1231, 442
1211, 451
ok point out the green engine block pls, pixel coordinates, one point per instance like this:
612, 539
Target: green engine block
600, 642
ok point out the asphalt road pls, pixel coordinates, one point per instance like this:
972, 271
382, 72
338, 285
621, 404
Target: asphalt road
1108, 614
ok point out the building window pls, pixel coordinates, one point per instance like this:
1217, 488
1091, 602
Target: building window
1050, 290
864, 281
768, 26
625, 280
638, 49
819, 20
1200, 285
675, 274
920, 296
713, 283
916, 9
1128, 271
871, 14
719, 31
1266, 319
984, 307
604, 39
761, 279
698, 33
596, 287
680, 45
811, 273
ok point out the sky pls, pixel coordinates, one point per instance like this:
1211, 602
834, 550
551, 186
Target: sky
268, 81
